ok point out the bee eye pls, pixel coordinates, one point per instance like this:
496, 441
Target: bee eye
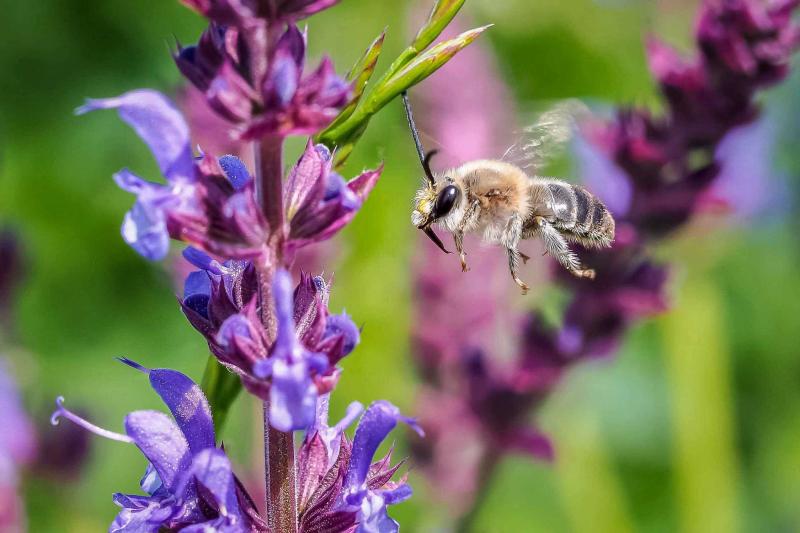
445, 201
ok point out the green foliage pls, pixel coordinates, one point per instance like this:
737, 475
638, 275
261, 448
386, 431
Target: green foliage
221, 387
413, 65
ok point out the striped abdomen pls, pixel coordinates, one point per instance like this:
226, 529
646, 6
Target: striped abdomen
578, 214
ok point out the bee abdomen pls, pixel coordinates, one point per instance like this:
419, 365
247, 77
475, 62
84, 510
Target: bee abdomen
581, 215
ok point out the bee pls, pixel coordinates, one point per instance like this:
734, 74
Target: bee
505, 204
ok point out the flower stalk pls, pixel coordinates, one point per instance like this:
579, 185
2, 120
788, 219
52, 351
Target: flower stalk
279, 454
269, 186
281, 480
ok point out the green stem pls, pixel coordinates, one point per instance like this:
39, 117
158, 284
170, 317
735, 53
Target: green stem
221, 387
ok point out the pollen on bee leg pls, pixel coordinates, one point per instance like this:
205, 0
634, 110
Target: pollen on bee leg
85, 424
587, 273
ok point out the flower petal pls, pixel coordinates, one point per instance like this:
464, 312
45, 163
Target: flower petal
188, 405
312, 167
342, 325
145, 230
130, 182
373, 517
162, 442
197, 284
286, 343
379, 419
293, 396
203, 261
160, 125
212, 469
140, 515
235, 170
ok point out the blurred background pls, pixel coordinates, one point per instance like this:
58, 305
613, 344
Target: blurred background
676, 432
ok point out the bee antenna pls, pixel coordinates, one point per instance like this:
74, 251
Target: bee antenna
423, 159
426, 164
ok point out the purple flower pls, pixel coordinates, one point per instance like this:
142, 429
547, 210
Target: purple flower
746, 39
210, 203
366, 487
163, 129
229, 221
339, 487
188, 481
317, 201
243, 11
263, 98
291, 371
206, 202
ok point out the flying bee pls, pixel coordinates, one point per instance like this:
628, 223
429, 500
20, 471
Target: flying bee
505, 204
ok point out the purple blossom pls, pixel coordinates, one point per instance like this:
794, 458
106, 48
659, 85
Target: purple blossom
300, 364
317, 201
188, 480
362, 489
243, 12
162, 128
263, 98
204, 201
339, 486
210, 203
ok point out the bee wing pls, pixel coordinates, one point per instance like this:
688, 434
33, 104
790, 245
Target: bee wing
546, 138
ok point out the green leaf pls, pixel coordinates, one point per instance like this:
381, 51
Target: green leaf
423, 66
221, 387
359, 75
416, 70
441, 15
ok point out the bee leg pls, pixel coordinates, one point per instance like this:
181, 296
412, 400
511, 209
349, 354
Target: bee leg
510, 239
557, 246
513, 266
469, 218
458, 238
524, 258
587, 273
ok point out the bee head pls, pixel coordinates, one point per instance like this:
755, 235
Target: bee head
433, 201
